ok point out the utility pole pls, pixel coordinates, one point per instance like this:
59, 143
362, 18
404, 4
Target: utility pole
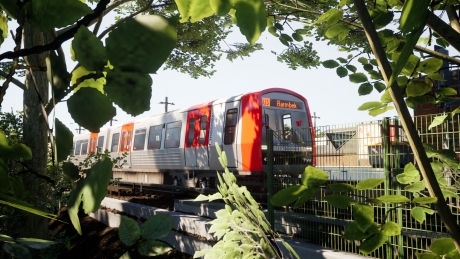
111, 121
314, 120
166, 104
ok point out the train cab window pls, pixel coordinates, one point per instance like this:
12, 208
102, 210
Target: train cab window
230, 126
173, 134
191, 131
100, 143
84, 147
139, 139
78, 148
203, 122
114, 146
154, 137
287, 126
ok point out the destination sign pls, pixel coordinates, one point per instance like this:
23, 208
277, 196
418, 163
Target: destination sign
281, 103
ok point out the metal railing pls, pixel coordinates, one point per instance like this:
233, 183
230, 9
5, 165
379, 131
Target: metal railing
351, 153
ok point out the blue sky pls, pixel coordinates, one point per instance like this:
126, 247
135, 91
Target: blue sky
335, 100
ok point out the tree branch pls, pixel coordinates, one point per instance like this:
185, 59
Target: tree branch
14, 80
444, 30
453, 18
56, 43
408, 125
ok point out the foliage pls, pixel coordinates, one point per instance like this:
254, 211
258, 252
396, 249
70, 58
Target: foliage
363, 228
241, 228
146, 238
20, 247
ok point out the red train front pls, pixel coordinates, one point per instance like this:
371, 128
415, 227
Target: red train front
178, 147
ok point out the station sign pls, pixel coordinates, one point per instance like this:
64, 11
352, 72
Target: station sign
282, 103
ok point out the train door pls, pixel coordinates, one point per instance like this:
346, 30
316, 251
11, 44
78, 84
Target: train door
190, 152
231, 133
202, 155
93, 143
126, 138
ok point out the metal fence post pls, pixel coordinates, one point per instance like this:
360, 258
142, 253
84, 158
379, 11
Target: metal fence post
397, 187
271, 213
386, 150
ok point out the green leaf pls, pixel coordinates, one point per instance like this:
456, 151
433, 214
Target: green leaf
272, 31
411, 170
46, 15
16, 250
369, 183
335, 16
71, 170
427, 256
365, 89
157, 226
4, 179
220, 7
407, 179
336, 30
90, 190
373, 243
89, 50
363, 215
35, 243
17, 187
363, 60
15, 151
155, 38
452, 255
330, 63
438, 120
447, 91
288, 195
297, 36
125, 256
393, 199
378, 111
369, 105
134, 99
6, 238
391, 229
381, 17
251, 17
425, 200
358, 78
153, 248
279, 26
57, 74
306, 196
351, 68
329, 14
416, 187
342, 60
10, 7
430, 65
341, 71
286, 37
352, 232
436, 76
313, 176
196, 10
339, 201
379, 86
418, 213
341, 187
442, 246
64, 140
90, 109
129, 231
417, 88
447, 192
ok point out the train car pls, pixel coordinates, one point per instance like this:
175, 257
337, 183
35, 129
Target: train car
178, 147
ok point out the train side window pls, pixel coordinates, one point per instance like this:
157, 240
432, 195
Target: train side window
173, 134
154, 141
78, 148
139, 139
84, 147
287, 126
191, 131
100, 143
230, 126
115, 139
203, 122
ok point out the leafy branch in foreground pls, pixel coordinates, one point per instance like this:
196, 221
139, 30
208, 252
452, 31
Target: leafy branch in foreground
241, 227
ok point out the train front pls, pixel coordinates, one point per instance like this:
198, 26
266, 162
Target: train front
287, 116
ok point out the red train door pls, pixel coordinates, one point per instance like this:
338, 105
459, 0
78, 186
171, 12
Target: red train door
196, 143
93, 142
126, 137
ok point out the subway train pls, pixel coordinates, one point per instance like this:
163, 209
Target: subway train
178, 147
